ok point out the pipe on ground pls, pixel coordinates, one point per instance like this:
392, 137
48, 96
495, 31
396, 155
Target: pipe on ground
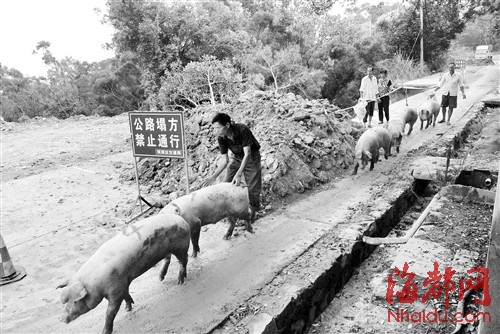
409, 234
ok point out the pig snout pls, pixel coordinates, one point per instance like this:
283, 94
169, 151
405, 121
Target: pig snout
68, 317
362, 164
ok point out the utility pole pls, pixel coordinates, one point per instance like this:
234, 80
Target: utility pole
422, 34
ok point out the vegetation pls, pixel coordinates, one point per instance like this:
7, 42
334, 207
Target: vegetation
179, 55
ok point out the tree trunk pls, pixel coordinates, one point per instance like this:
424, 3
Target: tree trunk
212, 97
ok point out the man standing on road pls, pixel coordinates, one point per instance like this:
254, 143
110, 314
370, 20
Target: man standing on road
238, 138
450, 83
369, 92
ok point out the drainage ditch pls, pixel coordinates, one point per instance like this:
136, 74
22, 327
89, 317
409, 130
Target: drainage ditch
312, 301
333, 259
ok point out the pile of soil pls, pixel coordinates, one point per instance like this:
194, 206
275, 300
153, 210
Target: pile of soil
303, 143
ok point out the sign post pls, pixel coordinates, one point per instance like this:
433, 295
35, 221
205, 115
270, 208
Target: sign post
157, 135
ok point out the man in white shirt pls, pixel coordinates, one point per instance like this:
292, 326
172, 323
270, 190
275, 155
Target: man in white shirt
449, 84
369, 92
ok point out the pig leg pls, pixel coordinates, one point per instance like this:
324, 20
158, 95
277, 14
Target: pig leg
113, 308
421, 124
232, 224
183, 260
163, 271
355, 171
195, 237
428, 123
372, 163
411, 129
128, 302
249, 222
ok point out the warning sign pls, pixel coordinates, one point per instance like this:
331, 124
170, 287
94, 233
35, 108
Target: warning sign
157, 134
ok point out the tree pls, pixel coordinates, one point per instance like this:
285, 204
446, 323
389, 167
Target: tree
484, 29
343, 75
162, 33
70, 90
283, 69
206, 80
442, 22
117, 85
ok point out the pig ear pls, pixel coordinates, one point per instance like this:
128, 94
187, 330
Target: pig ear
77, 291
64, 295
63, 283
368, 154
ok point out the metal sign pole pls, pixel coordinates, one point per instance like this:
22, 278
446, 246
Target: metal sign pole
185, 158
138, 187
187, 174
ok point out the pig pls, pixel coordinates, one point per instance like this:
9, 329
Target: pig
396, 130
409, 116
211, 204
384, 140
109, 272
366, 150
429, 111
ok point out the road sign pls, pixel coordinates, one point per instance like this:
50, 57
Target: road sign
157, 134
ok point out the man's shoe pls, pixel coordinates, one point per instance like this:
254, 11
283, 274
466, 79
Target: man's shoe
380, 122
441, 121
448, 123
369, 125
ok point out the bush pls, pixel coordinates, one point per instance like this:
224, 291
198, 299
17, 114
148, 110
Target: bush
402, 69
104, 110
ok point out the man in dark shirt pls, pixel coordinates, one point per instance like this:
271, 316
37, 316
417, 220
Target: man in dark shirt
238, 138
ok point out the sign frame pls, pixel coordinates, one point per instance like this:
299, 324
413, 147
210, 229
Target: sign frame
134, 115
158, 154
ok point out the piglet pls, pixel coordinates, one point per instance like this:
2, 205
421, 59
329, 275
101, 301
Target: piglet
109, 272
211, 204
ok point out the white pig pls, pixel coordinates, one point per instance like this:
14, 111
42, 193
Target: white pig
409, 116
384, 140
396, 128
109, 272
429, 111
366, 150
211, 204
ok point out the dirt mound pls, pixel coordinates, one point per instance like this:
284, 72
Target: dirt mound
303, 143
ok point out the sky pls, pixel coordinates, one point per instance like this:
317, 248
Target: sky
71, 26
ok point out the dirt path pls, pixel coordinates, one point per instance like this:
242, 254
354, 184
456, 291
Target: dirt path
79, 194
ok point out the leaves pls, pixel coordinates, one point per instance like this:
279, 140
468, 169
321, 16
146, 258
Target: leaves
207, 80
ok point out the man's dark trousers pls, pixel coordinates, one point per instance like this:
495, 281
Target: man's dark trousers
253, 176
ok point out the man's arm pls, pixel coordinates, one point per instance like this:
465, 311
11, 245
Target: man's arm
237, 176
218, 170
441, 82
362, 88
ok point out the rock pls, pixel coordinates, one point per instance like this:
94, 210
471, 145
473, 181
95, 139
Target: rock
169, 188
307, 138
298, 147
316, 163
